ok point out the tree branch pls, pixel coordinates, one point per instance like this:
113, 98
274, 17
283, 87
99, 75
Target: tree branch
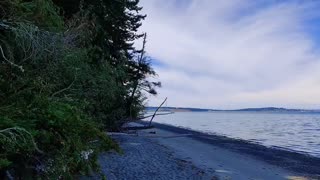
154, 114
64, 89
11, 63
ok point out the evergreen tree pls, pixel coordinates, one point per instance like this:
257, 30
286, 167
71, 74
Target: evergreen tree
68, 71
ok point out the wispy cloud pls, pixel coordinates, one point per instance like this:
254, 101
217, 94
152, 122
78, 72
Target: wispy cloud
234, 53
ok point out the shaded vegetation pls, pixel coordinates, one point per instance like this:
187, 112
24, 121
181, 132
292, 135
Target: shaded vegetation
68, 71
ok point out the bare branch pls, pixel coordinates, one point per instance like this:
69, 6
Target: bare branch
64, 89
157, 111
11, 63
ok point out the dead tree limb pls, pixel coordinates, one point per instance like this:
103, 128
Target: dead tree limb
160, 114
10, 62
154, 114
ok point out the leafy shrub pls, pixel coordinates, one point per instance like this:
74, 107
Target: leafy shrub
52, 140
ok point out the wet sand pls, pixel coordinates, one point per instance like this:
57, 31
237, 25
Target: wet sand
290, 163
158, 153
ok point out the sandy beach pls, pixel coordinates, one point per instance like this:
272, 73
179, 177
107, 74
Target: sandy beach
167, 152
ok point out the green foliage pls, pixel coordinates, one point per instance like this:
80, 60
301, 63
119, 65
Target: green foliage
62, 133
67, 74
4, 163
42, 13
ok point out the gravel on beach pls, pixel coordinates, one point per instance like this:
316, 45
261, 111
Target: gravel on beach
144, 159
166, 152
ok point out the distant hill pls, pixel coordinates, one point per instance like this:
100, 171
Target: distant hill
275, 109
263, 109
177, 109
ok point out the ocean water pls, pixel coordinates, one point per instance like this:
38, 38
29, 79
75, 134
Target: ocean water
298, 132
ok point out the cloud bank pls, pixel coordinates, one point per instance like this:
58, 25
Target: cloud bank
229, 54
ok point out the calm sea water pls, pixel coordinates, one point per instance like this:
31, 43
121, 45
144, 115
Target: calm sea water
294, 131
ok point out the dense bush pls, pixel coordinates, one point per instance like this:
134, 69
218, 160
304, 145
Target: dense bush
50, 141
68, 71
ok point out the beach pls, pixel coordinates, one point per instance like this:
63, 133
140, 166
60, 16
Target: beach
167, 152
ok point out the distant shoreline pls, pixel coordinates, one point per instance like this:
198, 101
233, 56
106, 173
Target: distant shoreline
264, 109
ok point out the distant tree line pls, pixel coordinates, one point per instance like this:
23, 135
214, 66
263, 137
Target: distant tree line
68, 71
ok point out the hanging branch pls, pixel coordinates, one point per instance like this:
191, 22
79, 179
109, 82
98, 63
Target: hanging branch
16, 134
154, 114
11, 63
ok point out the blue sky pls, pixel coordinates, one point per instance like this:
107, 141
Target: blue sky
235, 53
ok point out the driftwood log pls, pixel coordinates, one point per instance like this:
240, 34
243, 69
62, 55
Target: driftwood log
144, 117
154, 114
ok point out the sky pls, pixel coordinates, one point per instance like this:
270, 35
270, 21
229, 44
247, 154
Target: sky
229, 54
